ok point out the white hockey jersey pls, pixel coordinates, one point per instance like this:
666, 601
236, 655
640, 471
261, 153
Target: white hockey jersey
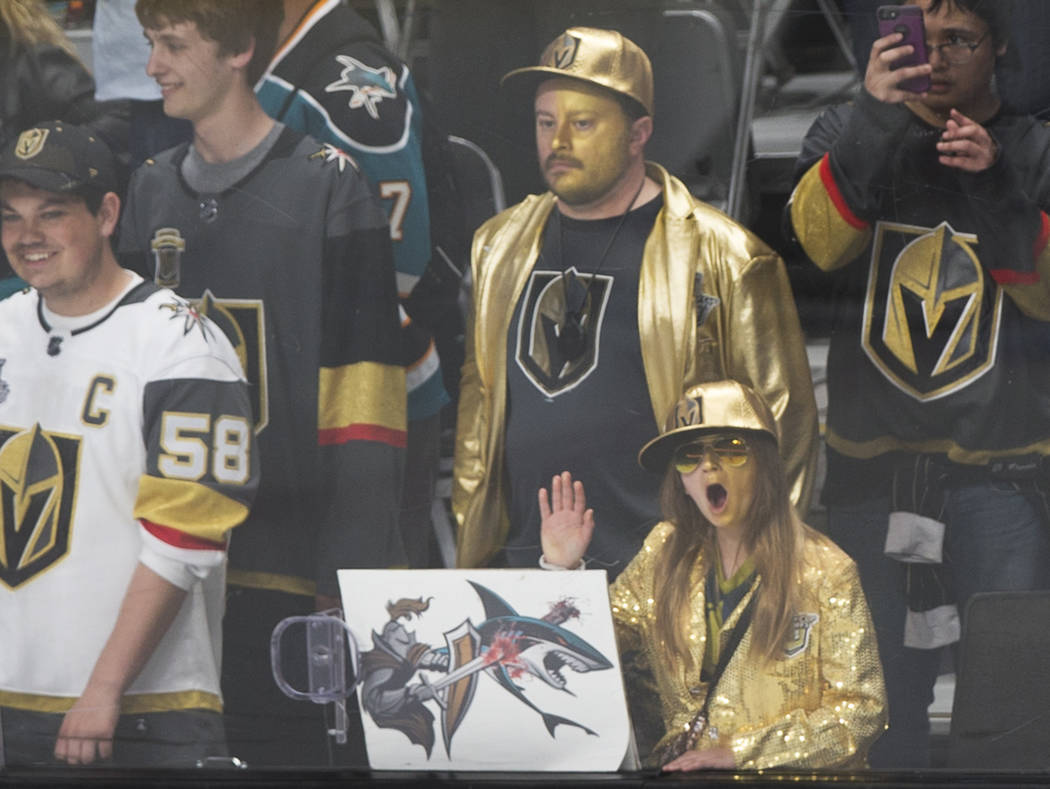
125, 436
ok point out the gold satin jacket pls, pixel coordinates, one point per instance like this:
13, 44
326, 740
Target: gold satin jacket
821, 705
751, 335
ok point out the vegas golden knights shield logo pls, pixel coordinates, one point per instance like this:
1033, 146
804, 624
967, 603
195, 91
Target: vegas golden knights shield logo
561, 53
798, 637
931, 314
38, 481
689, 411
243, 321
551, 364
30, 143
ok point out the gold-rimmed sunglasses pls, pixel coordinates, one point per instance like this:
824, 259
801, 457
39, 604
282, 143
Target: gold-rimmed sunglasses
732, 452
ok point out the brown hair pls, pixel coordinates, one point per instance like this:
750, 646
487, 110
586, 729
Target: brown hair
407, 606
234, 24
774, 539
29, 23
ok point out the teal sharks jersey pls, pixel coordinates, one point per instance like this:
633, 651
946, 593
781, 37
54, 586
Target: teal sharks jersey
332, 79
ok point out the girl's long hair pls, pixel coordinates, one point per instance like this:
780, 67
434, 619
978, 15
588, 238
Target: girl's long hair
774, 538
28, 23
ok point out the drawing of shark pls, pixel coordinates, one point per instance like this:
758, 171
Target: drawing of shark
514, 645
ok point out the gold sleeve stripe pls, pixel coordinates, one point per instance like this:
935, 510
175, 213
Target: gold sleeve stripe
188, 507
131, 704
829, 232
866, 450
367, 394
274, 581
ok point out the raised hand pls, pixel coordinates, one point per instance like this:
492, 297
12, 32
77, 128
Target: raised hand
966, 144
882, 81
566, 525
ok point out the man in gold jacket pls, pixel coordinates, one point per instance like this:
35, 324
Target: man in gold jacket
596, 304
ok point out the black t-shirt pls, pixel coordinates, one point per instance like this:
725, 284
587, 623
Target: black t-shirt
590, 414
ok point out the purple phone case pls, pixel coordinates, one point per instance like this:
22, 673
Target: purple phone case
907, 19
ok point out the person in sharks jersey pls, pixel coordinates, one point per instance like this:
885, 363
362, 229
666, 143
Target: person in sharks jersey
800, 684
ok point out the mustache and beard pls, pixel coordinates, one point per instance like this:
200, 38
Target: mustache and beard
577, 182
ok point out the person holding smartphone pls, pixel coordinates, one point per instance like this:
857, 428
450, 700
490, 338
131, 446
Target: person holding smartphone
929, 209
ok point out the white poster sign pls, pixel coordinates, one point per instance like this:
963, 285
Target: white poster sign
487, 669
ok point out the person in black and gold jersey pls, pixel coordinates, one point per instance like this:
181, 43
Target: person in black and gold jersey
931, 211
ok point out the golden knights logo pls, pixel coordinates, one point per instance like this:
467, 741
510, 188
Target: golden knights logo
551, 366
38, 485
561, 53
798, 637
31, 142
688, 411
243, 321
931, 314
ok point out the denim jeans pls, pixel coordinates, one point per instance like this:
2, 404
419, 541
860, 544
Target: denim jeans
996, 540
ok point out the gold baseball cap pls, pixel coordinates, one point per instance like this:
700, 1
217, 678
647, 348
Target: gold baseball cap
708, 408
602, 57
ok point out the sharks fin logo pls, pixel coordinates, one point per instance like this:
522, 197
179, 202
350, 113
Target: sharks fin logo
368, 87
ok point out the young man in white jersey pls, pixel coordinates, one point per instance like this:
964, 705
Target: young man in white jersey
126, 456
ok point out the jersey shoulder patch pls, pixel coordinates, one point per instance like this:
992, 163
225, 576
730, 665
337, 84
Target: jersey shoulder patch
329, 154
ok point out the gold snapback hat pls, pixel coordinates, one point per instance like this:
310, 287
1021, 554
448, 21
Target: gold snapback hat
601, 57
708, 408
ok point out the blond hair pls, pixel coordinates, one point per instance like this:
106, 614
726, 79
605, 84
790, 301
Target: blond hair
29, 24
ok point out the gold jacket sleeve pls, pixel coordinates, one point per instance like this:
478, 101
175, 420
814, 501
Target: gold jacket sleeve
713, 302
820, 705
502, 255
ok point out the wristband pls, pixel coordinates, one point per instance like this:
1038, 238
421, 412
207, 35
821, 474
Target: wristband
544, 564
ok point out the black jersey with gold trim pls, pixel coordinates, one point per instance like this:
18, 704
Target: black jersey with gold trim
124, 436
941, 338
294, 263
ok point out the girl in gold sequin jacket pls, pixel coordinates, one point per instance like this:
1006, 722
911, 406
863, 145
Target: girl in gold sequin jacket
800, 685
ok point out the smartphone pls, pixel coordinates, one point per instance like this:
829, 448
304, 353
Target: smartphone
907, 19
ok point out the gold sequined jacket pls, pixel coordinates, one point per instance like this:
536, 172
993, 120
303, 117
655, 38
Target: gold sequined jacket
820, 705
695, 255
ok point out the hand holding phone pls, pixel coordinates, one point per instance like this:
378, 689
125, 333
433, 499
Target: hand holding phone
907, 20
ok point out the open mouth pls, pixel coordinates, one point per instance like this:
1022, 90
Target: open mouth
554, 661
716, 496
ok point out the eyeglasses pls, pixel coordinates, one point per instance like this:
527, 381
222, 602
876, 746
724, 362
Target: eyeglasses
958, 51
733, 452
